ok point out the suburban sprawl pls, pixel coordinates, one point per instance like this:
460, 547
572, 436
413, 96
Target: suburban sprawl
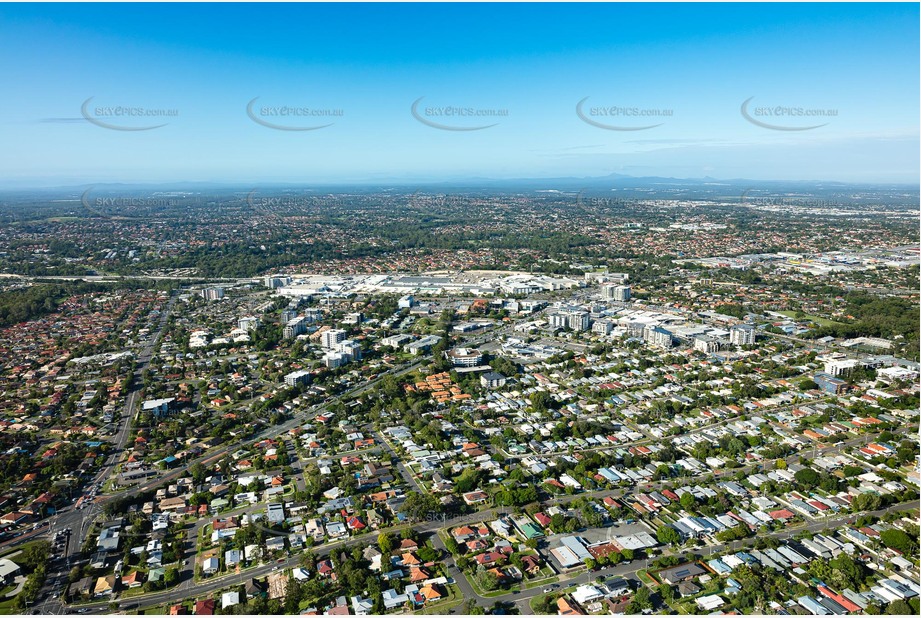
388, 402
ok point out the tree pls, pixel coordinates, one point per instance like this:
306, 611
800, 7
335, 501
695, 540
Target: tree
385, 542
487, 580
171, 577
807, 477
896, 539
688, 501
640, 601
420, 505
668, 535
899, 607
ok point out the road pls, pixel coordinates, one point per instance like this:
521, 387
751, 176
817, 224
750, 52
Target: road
201, 589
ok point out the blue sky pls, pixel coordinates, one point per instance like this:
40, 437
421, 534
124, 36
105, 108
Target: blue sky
694, 65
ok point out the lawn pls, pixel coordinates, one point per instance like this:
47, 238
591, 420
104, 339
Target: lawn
811, 318
535, 583
452, 599
7, 606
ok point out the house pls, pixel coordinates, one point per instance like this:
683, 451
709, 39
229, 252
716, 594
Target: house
530, 564
392, 599
408, 545
362, 607
565, 608
232, 557
211, 566
276, 513
229, 599
430, 592
680, 573
83, 587
710, 602
488, 559
325, 568
205, 607
104, 585
133, 580
8, 570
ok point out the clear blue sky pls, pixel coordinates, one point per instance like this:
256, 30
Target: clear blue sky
538, 61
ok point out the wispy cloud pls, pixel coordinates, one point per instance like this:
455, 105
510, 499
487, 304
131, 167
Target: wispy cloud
60, 120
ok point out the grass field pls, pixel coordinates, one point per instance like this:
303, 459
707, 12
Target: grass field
812, 318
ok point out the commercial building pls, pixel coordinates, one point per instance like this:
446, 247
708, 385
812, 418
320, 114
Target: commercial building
829, 384
657, 336
422, 345
464, 357
707, 345
742, 334
602, 327
571, 319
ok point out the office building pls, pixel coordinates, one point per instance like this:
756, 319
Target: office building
830, 384
274, 281
742, 334
602, 327
657, 336
707, 345
572, 319
464, 357
422, 345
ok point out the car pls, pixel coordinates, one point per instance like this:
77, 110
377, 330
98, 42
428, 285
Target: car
548, 590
